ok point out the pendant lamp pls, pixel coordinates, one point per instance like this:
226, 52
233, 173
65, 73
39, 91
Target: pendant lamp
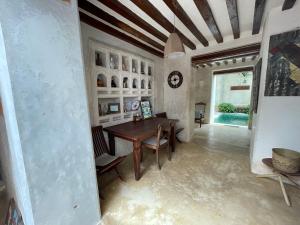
174, 47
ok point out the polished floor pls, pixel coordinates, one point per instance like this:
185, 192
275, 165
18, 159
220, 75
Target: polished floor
207, 182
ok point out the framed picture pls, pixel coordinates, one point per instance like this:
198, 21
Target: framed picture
113, 108
146, 109
283, 73
13, 216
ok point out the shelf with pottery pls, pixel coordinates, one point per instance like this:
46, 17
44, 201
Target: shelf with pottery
116, 77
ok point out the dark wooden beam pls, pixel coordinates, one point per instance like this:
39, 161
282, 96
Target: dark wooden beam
208, 17
243, 59
225, 62
253, 57
236, 70
91, 8
234, 60
209, 64
107, 29
156, 15
288, 4
186, 20
128, 14
228, 54
218, 63
258, 15
234, 17
203, 66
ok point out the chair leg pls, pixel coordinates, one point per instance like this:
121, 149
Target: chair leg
170, 152
141, 155
117, 172
157, 160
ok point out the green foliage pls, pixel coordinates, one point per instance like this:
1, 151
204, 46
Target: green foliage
242, 109
226, 108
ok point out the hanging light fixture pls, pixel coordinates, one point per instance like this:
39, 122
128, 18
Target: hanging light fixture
174, 47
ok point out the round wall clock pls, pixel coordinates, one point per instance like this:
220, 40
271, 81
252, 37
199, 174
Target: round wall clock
175, 79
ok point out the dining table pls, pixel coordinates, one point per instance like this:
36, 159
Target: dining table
136, 132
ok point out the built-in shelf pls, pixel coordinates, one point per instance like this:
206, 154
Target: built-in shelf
120, 78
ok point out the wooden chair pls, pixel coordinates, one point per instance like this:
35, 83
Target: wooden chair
199, 112
177, 131
103, 160
158, 142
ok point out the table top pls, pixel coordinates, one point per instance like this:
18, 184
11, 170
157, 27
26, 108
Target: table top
268, 162
139, 130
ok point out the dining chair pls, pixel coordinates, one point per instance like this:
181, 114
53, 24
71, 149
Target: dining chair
104, 161
200, 112
160, 141
177, 131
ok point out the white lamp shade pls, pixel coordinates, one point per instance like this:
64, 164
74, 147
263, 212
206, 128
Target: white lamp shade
174, 47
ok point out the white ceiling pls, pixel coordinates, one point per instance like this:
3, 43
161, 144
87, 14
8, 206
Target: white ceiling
219, 10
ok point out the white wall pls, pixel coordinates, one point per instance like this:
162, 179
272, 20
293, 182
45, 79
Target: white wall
46, 110
277, 121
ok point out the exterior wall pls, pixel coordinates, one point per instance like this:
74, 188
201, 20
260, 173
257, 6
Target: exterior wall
45, 69
204, 83
235, 97
277, 121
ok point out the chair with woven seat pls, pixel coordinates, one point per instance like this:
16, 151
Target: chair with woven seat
177, 131
158, 142
104, 161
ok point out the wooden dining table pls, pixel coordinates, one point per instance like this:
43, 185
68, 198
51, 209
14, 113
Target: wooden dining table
136, 132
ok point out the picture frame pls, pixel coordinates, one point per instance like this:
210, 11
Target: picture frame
146, 109
113, 108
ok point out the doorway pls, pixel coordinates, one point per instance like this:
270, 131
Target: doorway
231, 97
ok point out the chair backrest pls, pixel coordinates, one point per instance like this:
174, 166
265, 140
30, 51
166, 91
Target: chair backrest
99, 142
158, 136
162, 115
200, 109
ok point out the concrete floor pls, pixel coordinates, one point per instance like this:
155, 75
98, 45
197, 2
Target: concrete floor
207, 182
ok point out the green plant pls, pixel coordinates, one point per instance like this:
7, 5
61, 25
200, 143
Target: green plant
242, 109
226, 108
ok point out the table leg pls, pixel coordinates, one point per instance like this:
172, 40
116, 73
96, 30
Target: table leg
111, 142
173, 138
137, 158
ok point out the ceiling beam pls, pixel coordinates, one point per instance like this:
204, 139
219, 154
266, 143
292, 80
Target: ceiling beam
258, 15
234, 60
228, 54
208, 17
186, 20
96, 11
128, 14
218, 63
288, 4
225, 62
244, 59
209, 64
155, 14
253, 57
234, 17
112, 31
236, 70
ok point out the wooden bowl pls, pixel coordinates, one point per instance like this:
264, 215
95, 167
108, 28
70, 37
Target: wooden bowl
286, 160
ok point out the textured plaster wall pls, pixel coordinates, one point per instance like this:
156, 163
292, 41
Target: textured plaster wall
178, 102
277, 121
11, 153
42, 42
235, 97
204, 83
89, 33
